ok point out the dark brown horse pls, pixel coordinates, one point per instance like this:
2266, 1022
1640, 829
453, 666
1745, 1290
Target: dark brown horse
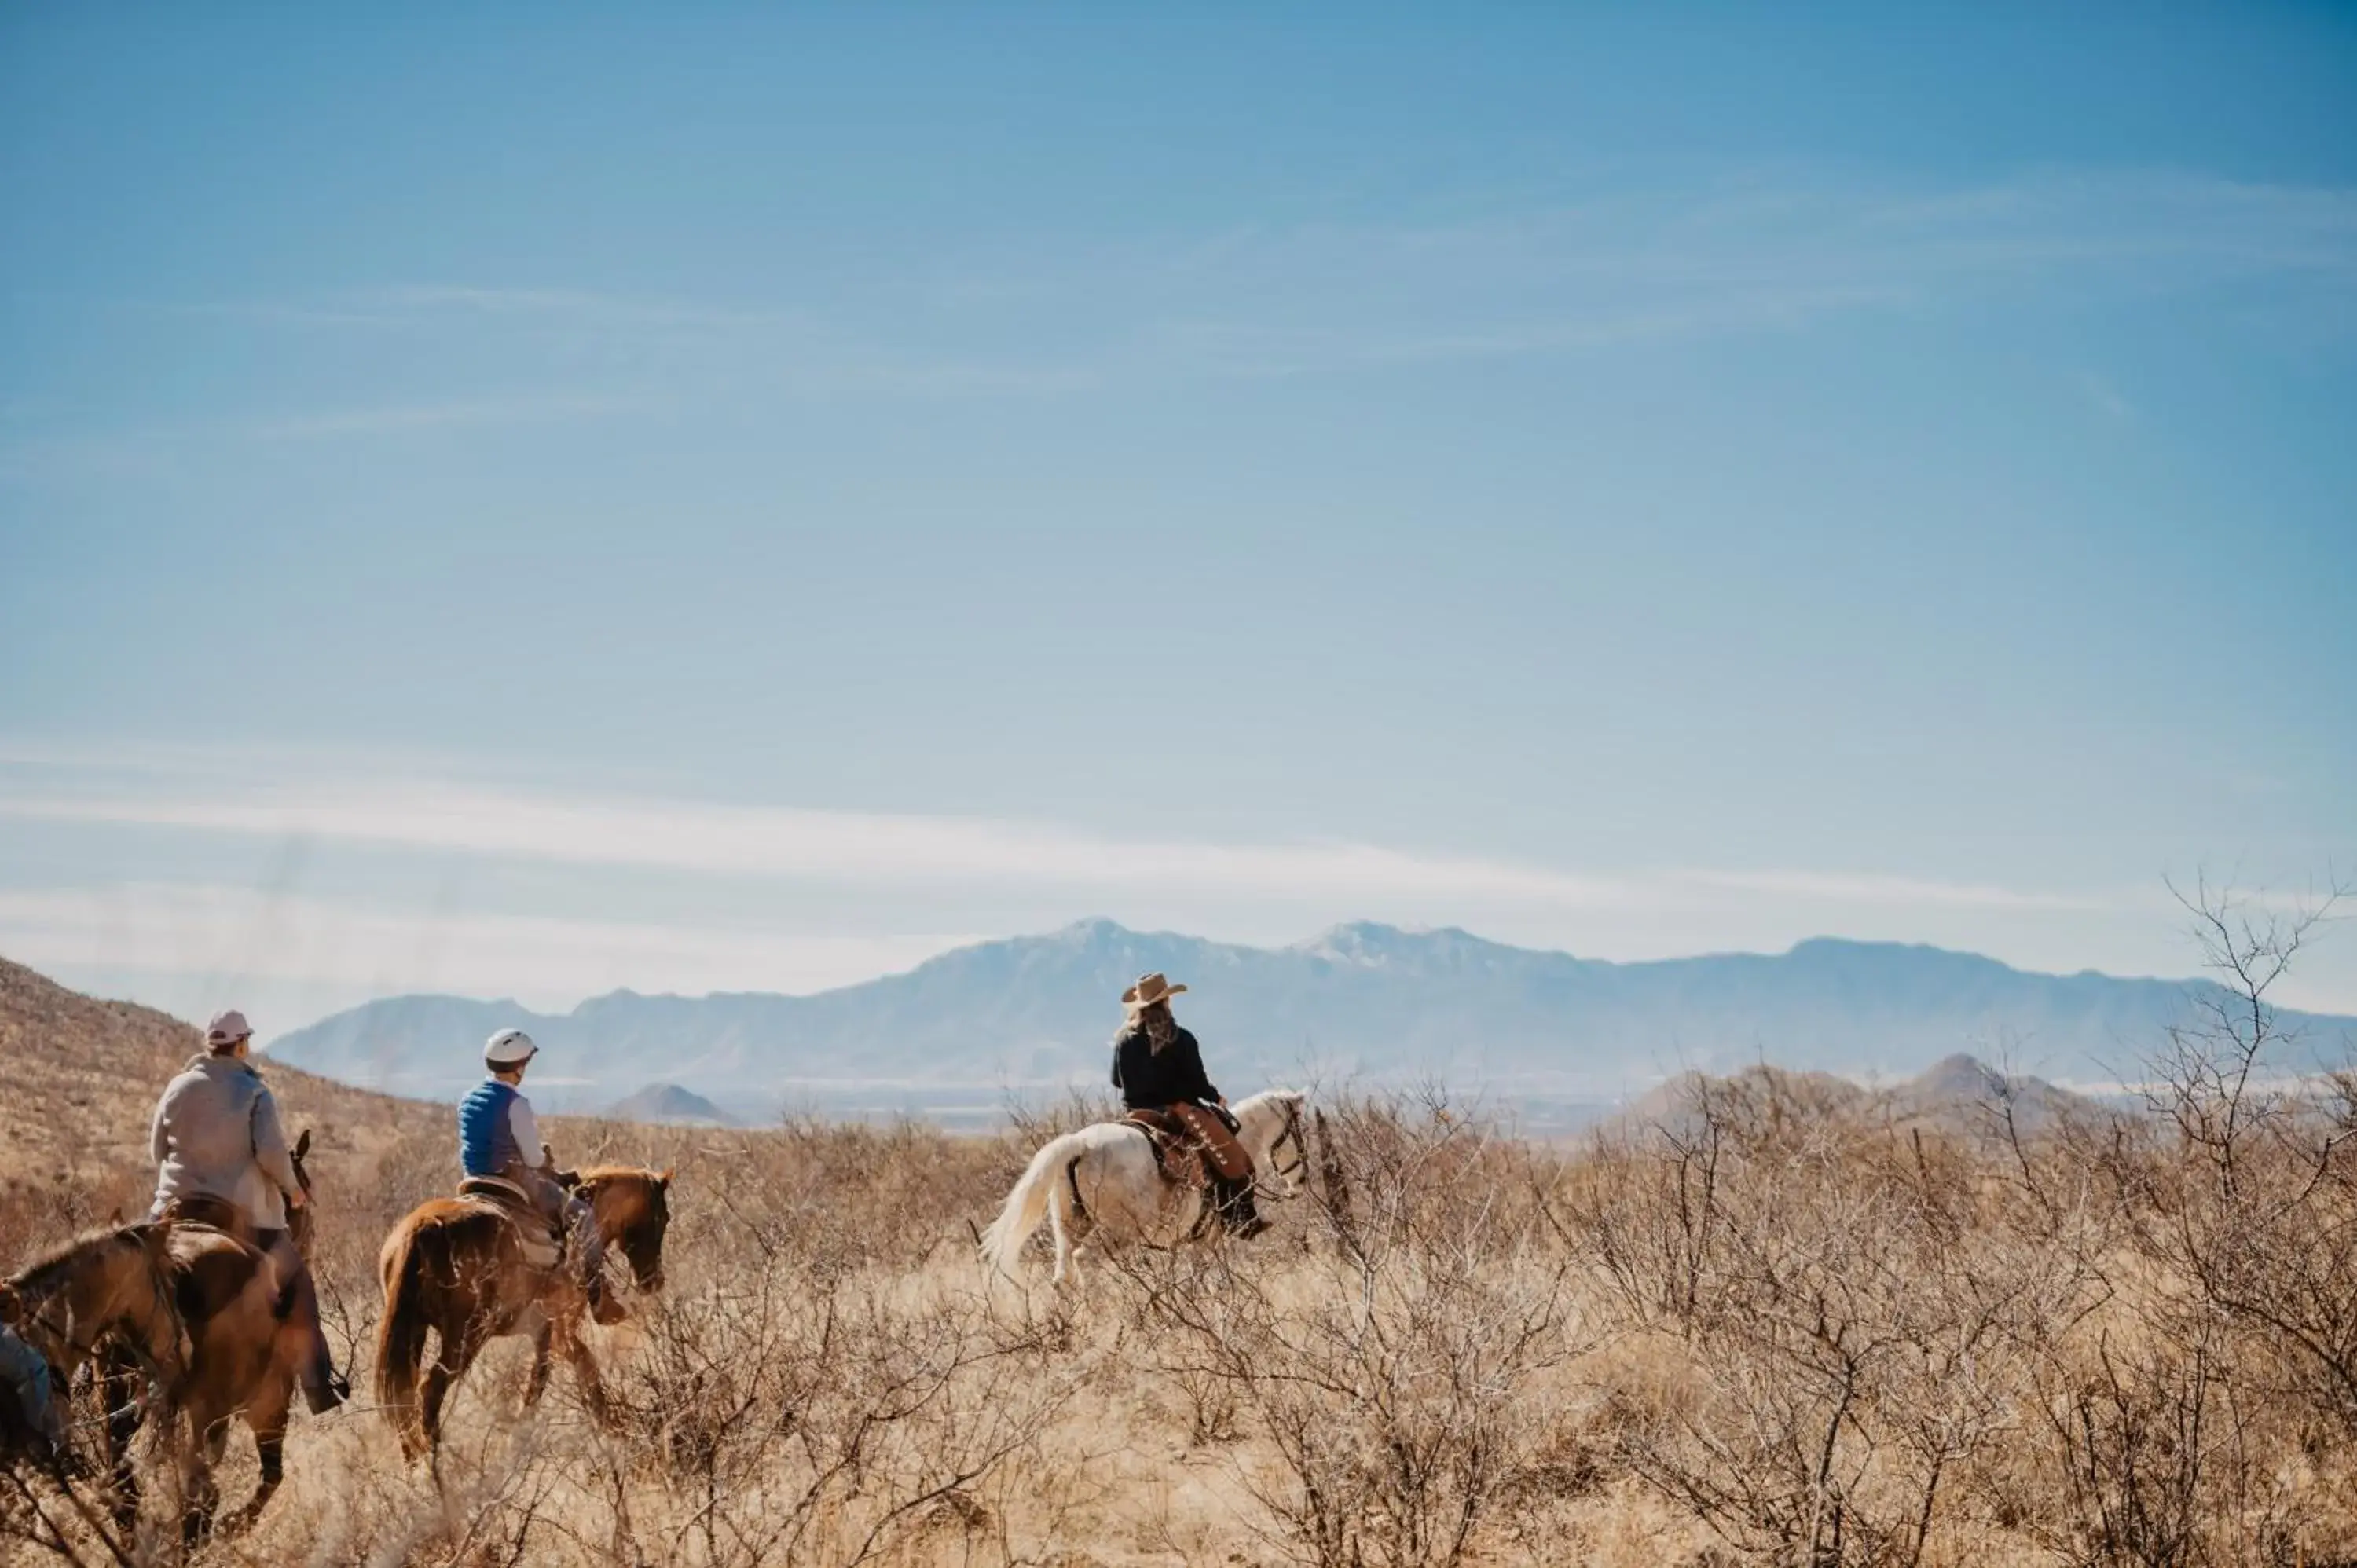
245, 1356
455, 1266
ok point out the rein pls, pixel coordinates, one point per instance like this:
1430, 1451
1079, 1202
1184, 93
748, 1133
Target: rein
1292, 1133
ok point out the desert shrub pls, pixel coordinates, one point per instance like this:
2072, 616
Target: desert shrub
1389, 1367
1831, 1315
1781, 1322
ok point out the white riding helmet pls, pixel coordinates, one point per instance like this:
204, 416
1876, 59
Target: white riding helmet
508, 1049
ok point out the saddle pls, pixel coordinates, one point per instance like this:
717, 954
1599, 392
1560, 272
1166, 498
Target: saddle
542, 1244
1191, 1146
197, 1209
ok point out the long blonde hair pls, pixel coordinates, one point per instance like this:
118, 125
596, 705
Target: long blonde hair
1161, 1028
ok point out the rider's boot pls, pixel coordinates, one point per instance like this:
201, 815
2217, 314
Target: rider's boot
324, 1387
1233, 1199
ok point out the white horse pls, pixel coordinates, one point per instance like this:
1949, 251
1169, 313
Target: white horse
1105, 1174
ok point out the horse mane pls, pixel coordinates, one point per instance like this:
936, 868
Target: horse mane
653, 1186
607, 1173
35, 1275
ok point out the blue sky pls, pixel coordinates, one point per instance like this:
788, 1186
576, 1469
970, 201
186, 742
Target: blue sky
710, 499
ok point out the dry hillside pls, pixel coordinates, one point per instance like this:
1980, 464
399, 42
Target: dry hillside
83, 1077
1775, 1326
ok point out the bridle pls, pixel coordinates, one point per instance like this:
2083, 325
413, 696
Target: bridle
1292, 1134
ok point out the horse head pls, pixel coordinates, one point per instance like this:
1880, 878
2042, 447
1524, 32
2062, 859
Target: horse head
116, 1283
633, 1210
1271, 1132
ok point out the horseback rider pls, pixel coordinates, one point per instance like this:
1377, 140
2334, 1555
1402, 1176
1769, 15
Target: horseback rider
221, 1159
1159, 1067
496, 1125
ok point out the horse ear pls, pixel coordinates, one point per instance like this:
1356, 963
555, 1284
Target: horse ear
303, 1143
663, 1178
114, 1220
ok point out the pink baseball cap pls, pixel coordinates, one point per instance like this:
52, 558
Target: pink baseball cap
228, 1028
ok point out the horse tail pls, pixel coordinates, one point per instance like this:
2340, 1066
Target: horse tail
1003, 1239
401, 1332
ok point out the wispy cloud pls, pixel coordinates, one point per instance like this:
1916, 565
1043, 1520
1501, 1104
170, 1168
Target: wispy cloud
1640, 260
1886, 892
1570, 273
847, 847
158, 451
583, 308
511, 410
907, 851
248, 935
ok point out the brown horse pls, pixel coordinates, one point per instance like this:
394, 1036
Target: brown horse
109, 1292
244, 1353
455, 1266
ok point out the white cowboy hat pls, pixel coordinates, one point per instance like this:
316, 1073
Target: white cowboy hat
1150, 990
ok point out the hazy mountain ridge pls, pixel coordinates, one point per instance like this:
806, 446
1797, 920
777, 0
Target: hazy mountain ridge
670, 1104
1365, 1000
1959, 1094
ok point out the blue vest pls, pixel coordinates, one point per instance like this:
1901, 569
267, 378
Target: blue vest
486, 1145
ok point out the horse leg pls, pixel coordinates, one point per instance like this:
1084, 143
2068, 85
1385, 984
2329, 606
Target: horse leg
567, 1333
452, 1356
119, 1388
199, 1496
537, 1384
267, 1415
1060, 1228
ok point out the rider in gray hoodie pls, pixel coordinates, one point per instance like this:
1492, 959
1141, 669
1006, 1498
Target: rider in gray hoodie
217, 1142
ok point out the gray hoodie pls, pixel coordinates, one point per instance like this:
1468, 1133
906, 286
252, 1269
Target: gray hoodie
217, 1135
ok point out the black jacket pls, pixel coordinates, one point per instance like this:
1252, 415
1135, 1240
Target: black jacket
1147, 1079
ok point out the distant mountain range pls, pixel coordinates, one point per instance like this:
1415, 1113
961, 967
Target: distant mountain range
1362, 1001
668, 1102
1957, 1094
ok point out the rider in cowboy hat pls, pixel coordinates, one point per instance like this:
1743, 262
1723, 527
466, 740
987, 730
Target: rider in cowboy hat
496, 1126
1157, 1066
220, 1151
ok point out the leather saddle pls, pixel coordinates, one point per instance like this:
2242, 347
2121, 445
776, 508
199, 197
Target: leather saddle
542, 1244
210, 1214
1193, 1146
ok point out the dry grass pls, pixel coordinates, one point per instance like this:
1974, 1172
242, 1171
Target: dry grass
1783, 1331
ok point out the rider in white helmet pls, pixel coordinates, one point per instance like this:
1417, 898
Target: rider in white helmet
498, 1135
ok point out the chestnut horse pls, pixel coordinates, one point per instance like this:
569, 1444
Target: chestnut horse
243, 1360
454, 1266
